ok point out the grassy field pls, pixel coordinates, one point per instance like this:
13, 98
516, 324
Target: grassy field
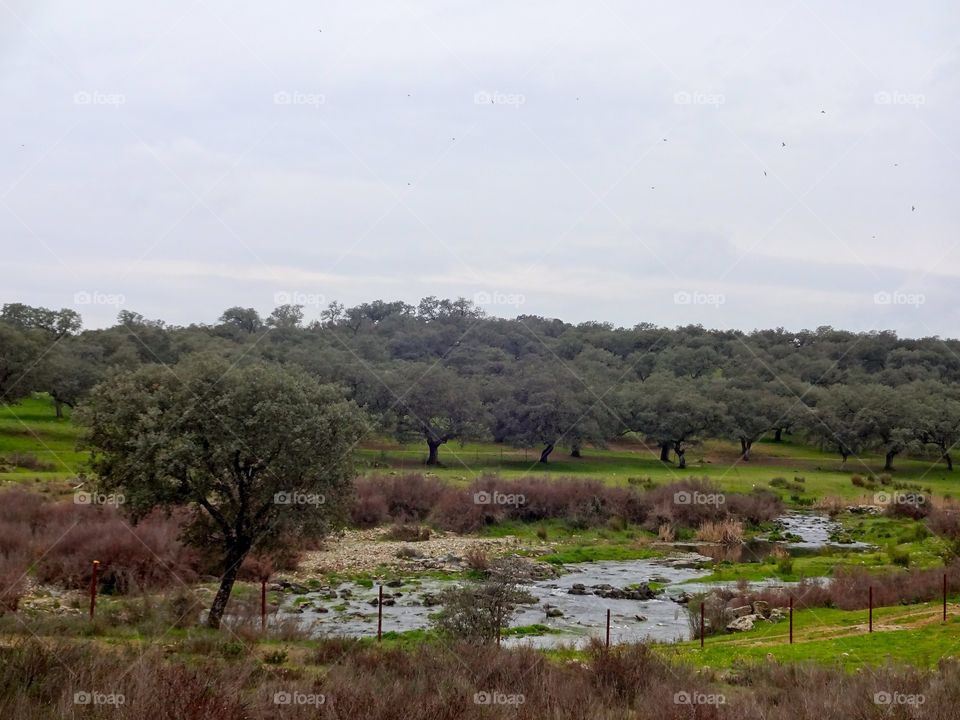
31, 427
914, 634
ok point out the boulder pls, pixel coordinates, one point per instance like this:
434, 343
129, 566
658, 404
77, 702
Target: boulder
736, 612
742, 623
554, 612
577, 589
761, 608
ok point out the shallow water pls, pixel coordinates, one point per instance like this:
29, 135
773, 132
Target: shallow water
583, 615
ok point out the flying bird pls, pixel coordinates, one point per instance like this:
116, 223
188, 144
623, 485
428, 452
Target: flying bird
764, 173
913, 208
783, 144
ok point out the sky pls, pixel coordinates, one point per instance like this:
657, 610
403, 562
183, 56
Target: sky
738, 165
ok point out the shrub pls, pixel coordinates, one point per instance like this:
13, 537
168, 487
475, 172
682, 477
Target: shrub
477, 558
725, 532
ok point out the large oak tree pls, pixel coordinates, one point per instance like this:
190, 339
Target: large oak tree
259, 452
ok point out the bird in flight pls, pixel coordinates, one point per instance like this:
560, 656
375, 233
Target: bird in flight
783, 144
913, 208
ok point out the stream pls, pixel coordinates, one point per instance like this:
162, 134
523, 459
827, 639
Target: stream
349, 608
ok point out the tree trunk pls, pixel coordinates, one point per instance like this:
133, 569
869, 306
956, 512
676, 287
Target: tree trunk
434, 446
945, 454
665, 452
546, 452
681, 456
888, 460
778, 435
575, 451
235, 556
745, 446
58, 406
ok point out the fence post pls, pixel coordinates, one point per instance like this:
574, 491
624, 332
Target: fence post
380, 617
93, 588
871, 608
263, 605
944, 597
791, 619
608, 627
702, 603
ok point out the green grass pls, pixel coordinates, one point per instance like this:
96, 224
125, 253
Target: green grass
831, 636
31, 426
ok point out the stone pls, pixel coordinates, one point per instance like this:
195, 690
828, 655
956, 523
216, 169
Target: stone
742, 624
640, 618
739, 611
577, 589
761, 608
554, 612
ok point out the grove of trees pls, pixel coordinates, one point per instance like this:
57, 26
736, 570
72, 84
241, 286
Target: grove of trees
442, 371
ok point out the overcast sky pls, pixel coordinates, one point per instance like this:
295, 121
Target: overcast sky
605, 160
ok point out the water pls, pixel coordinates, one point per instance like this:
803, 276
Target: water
583, 615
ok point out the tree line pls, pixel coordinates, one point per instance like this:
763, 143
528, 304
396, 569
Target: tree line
444, 371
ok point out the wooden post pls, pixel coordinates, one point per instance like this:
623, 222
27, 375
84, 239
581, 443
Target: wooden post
93, 588
263, 605
608, 627
871, 608
702, 603
380, 616
944, 597
791, 619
